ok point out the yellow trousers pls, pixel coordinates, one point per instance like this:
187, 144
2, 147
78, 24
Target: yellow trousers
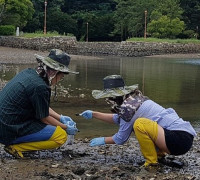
58, 138
146, 132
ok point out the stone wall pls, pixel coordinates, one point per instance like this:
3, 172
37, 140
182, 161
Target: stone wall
150, 48
136, 48
99, 48
70, 45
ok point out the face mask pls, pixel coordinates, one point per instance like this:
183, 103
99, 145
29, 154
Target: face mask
115, 103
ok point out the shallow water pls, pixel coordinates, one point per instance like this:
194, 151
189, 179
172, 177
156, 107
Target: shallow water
170, 82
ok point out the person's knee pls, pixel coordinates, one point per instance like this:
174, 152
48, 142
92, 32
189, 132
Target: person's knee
139, 124
63, 137
59, 136
146, 126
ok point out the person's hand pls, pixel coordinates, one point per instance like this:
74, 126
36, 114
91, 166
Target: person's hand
97, 141
71, 129
65, 119
87, 114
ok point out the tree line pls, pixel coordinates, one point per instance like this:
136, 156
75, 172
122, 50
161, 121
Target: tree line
105, 20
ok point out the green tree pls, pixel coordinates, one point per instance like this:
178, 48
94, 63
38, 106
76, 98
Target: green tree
71, 16
166, 19
60, 22
74, 6
191, 16
169, 8
97, 13
164, 27
2, 9
129, 17
37, 22
99, 25
110, 19
16, 12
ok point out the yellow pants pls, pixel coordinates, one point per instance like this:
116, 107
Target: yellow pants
146, 132
58, 138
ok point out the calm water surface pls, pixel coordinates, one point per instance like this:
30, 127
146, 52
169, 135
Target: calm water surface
170, 82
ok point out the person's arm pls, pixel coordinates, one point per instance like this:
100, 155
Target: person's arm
60, 118
70, 129
124, 132
106, 117
54, 114
109, 140
54, 122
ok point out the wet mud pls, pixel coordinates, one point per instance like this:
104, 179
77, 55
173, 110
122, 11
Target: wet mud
25, 56
80, 161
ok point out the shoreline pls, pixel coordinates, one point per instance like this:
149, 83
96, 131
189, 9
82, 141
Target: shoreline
193, 56
24, 56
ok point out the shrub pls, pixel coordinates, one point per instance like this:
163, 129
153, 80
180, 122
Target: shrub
7, 30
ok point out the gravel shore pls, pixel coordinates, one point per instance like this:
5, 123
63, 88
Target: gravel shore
25, 56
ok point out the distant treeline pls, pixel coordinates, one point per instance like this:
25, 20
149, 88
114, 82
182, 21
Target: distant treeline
105, 20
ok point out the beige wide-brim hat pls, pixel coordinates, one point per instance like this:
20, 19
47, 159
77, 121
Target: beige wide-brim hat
57, 60
113, 86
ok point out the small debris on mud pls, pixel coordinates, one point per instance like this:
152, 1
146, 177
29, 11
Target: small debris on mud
80, 161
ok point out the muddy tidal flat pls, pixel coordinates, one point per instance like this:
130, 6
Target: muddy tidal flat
80, 161
24, 56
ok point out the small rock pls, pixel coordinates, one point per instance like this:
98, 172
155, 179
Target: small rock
55, 165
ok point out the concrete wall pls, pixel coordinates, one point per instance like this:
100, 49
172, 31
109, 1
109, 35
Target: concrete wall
70, 45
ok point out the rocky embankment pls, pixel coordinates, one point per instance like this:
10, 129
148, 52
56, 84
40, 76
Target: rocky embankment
124, 48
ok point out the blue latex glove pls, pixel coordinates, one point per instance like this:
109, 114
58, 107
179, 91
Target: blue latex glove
71, 129
97, 141
65, 119
87, 114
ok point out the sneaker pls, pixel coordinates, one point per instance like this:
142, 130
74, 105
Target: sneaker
13, 152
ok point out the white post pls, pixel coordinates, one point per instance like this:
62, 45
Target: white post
17, 31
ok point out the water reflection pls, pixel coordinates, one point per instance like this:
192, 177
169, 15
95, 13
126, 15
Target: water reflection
191, 61
169, 82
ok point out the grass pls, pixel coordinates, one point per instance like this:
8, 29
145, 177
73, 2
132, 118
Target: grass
41, 34
183, 41
54, 33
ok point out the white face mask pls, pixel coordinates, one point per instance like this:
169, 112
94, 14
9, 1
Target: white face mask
46, 72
